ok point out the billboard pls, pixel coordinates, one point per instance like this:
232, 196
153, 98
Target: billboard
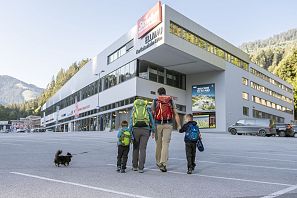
149, 20
203, 98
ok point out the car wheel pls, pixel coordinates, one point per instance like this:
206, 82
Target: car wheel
262, 133
282, 134
239, 133
233, 131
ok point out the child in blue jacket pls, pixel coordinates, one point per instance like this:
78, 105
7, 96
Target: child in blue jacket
192, 134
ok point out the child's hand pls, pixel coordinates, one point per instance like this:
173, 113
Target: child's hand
153, 135
200, 136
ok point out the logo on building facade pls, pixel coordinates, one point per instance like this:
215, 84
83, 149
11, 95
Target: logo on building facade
150, 20
151, 39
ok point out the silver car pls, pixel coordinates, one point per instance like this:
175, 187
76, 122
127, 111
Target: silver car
261, 127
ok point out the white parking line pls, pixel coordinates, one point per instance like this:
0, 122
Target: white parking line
281, 192
262, 158
278, 154
80, 185
218, 177
10, 144
244, 165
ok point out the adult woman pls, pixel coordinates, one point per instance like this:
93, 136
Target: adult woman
141, 125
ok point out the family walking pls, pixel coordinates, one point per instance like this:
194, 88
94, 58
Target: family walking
155, 121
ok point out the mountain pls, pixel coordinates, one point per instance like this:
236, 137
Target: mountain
14, 91
269, 52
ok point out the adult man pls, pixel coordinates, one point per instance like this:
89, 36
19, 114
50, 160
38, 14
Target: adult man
164, 110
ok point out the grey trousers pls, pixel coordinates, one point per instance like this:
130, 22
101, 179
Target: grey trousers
141, 137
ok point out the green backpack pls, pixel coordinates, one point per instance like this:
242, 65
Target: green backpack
125, 138
140, 115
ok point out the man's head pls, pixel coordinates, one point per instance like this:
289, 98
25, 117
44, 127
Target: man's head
124, 123
161, 91
189, 117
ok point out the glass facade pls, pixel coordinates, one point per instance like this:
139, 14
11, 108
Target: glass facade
261, 114
272, 105
270, 92
153, 72
120, 52
270, 80
194, 39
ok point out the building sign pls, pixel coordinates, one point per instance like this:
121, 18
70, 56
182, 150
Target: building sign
203, 105
151, 39
149, 20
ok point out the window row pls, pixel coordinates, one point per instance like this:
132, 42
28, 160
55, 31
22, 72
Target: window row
270, 92
206, 45
270, 80
245, 81
245, 111
120, 52
160, 75
260, 114
271, 105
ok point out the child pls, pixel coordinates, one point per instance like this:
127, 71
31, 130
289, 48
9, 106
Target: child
192, 134
124, 140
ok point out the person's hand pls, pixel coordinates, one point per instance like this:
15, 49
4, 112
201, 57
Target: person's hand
178, 128
200, 136
153, 135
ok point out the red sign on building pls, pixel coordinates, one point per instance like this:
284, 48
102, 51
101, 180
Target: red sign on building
150, 20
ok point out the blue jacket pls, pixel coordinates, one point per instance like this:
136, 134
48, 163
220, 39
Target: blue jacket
120, 134
152, 121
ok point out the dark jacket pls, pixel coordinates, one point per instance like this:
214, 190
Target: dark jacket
185, 128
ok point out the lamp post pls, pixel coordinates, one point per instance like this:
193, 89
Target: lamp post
98, 107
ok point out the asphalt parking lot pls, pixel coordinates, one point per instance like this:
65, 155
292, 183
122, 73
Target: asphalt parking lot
230, 166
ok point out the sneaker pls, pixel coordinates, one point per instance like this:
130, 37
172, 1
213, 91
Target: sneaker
135, 169
140, 171
158, 165
118, 169
190, 171
123, 171
163, 168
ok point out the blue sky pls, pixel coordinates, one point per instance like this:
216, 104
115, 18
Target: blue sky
37, 38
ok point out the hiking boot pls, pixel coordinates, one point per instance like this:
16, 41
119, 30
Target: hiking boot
118, 169
135, 169
140, 171
163, 168
193, 166
190, 171
123, 170
158, 165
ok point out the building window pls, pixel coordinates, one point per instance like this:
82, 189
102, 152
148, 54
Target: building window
245, 111
245, 95
194, 39
245, 81
153, 72
120, 52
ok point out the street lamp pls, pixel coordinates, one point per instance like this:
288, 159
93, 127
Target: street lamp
98, 89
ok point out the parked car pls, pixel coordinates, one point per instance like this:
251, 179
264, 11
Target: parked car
285, 130
38, 130
21, 130
261, 127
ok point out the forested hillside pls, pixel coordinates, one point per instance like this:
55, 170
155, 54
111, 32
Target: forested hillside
32, 107
278, 54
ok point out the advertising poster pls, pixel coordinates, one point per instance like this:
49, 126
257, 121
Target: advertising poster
203, 98
203, 105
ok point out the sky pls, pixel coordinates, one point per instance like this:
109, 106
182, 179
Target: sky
38, 38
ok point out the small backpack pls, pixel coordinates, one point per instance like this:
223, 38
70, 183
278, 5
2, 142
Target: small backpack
163, 108
140, 115
192, 133
125, 138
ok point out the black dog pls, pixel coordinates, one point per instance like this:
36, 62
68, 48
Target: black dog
62, 159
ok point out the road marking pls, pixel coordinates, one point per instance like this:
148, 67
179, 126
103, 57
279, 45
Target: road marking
244, 165
218, 177
281, 192
80, 185
269, 159
10, 144
280, 154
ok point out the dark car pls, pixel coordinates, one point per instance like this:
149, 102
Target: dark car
285, 130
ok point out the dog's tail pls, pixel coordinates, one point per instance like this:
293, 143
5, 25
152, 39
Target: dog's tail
59, 152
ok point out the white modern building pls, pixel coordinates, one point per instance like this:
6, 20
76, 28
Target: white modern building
205, 75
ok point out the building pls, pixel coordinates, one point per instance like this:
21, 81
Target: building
206, 76
32, 122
